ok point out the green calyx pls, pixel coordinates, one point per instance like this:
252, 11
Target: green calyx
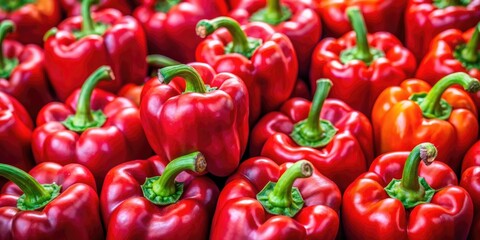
85, 118
432, 104
274, 14
362, 51
6, 64
164, 190
412, 190
240, 43
448, 3
313, 132
36, 195
468, 54
89, 26
12, 5
191, 76
281, 198
165, 5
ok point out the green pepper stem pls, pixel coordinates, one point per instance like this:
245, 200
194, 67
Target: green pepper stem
358, 24
87, 20
425, 152
447, 3
281, 196
470, 52
315, 132
191, 76
6, 27
312, 125
83, 115
431, 104
274, 9
161, 61
239, 38
34, 192
165, 185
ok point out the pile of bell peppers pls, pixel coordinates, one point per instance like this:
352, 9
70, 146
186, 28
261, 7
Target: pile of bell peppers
240, 119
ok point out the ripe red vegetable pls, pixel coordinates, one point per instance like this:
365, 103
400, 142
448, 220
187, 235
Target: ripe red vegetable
93, 127
423, 202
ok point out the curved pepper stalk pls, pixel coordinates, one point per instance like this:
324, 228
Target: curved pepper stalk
468, 54
36, 195
164, 190
432, 104
313, 132
194, 82
240, 43
412, 190
281, 198
84, 117
362, 51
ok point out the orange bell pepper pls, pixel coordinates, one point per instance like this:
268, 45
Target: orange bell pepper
414, 112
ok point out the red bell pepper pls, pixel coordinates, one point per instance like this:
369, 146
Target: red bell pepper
334, 138
155, 199
106, 39
133, 91
423, 202
424, 19
414, 112
15, 134
191, 109
22, 72
170, 25
32, 17
255, 53
452, 51
471, 182
380, 15
293, 18
93, 128
52, 202
263, 200
73, 7
361, 65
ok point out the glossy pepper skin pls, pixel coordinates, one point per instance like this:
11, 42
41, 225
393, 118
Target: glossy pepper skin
71, 213
22, 72
293, 18
346, 152
181, 115
32, 18
129, 213
245, 211
452, 51
93, 127
107, 38
15, 134
73, 7
424, 19
471, 182
170, 25
268, 67
373, 208
380, 15
415, 112
361, 65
